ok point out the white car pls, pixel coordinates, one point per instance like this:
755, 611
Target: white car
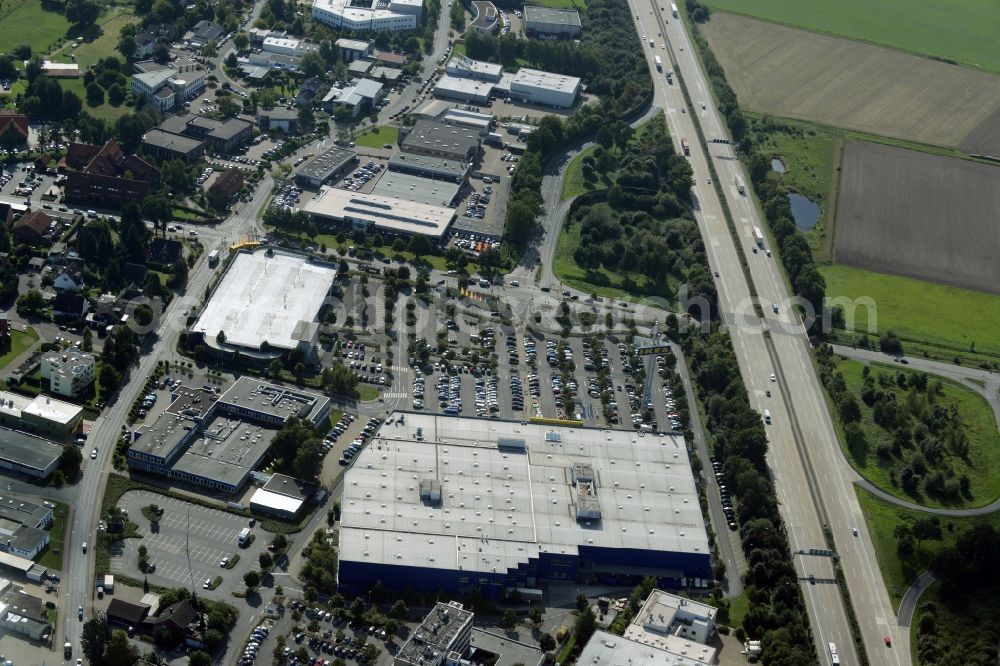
93, 453
207, 584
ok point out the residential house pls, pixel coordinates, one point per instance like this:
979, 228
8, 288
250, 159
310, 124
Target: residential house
278, 118
308, 91
107, 175
70, 373
165, 251
202, 33
69, 305
389, 59
67, 281
126, 613
16, 123
33, 229
178, 620
225, 188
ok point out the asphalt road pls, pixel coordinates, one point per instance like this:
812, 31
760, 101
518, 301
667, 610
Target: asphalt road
802, 437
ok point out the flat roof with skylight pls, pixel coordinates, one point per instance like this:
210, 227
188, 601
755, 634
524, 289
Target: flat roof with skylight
224, 453
267, 296
477, 495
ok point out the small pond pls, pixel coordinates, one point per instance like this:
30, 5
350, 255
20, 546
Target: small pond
778, 165
804, 210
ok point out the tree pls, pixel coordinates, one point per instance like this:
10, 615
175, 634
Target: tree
358, 608
509, 618
265, 560
241, 41
312, 64
535, 615
581, 602
94, 639
251, 579
228, 107
308, 460
22, 51
126, 45
399, 610
116, 94
82, 12
546, 642
70, 460
30, 302
87, 343
585, 625
199, 658
95, 94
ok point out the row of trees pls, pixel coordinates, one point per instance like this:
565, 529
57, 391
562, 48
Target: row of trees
777, 614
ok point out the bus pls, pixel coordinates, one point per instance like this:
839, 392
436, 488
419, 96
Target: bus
834, 657
213, 257
673, 10
244, 536
659, 63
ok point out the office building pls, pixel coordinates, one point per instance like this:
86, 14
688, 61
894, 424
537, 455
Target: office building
70, 372
374, 16
444, 636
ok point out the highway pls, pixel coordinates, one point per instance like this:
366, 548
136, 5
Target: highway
802, 438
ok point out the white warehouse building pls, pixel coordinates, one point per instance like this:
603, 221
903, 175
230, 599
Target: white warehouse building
545, 88
395, 15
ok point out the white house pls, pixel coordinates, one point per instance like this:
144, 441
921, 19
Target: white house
69, 372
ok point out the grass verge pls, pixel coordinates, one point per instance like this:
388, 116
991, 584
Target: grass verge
367, 392
377, 137
53, 556
574, 183
18, 344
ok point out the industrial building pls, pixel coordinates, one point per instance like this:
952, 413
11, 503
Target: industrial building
326, 166
544, 88
22, 527
219, 446
545, 21
418, 189
352, 49
360, 96
377, 15
268, 297
167, 88
435, 139
464, 67
458, 504
386, 214
23, 613
668, 629
481, 122
28, 454
41, 415
69, 372
437, 168
472, 91
278, 118
282, 496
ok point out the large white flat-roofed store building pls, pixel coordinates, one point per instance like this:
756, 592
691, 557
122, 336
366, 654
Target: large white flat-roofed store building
668, 629
544, 88
41, 415
69, 372
458, 504
266, 296
394, 15
548, 21
386, 214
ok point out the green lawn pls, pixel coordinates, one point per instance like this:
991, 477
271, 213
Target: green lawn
575, 184
811, 157
883, 517
561, 4
101, 43
367, 392
981, 464
19, 343
435, 262
25, 22
458, 49
105, 110
378, 136
914, 309
52, 557
965, 32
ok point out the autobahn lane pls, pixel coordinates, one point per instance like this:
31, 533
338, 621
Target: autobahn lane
819, 446
795, 489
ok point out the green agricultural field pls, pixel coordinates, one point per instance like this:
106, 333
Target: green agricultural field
811, 157
980, 464
918, 310
965, 32
25, 22
378, 136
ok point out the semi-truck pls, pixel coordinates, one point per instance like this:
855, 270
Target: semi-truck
673, 10
659, 63
685, 147
740, 187
758, 237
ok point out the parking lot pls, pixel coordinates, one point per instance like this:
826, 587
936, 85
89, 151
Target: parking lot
188, 545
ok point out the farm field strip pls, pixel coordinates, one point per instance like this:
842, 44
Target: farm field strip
799, 74
917, 215
965, 32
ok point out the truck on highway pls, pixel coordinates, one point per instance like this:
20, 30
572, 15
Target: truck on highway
685, 147
673, 10
740, 187
659, 63
758, 237
670, 76
834, 657
652, 44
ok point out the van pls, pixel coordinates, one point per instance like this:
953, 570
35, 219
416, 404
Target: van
767, 416
91, 213
487, 180
484, 283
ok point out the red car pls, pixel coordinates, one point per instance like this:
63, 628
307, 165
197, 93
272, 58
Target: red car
888, 641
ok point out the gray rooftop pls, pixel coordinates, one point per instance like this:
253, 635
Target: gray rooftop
230, 128
326, 163
22, 512
441, 165
290, 487
162, 437
420, 189
280, 401
177, 124
550, 15
226, 450
170, 141
520, 503
27, 450
508, 652
428, 135
278, 113
435, 635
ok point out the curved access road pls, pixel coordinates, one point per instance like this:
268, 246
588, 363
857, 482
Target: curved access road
912, 596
